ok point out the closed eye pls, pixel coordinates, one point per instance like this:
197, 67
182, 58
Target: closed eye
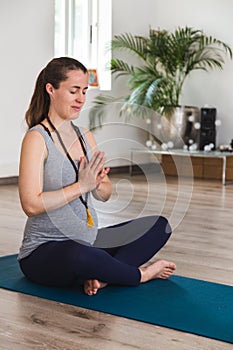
78, 89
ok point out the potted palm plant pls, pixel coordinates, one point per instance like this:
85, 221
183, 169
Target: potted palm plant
166, 59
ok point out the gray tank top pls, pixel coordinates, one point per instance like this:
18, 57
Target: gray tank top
66, 222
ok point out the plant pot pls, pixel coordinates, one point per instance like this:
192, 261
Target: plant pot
180, 129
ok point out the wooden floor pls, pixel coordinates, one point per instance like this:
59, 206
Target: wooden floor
201, 246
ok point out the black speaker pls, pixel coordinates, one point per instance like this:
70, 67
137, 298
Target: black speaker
207, 129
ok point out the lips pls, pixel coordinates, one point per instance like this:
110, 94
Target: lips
76, 108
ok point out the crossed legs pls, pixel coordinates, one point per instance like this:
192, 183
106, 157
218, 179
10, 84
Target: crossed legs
63, 263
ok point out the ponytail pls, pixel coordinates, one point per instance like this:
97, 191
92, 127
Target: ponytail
39, 105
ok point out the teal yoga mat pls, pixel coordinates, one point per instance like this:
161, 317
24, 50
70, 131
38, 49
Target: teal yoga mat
184, 304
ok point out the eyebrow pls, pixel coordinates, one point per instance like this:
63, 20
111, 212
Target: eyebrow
79, 87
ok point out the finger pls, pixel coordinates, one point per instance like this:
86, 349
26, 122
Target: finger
97, 162
102, 176
94, 157
103, 172
107, 170
82, 163
97, 155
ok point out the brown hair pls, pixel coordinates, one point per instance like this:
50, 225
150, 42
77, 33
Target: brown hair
54, 73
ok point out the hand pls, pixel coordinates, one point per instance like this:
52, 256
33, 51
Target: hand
101, 176
92, 173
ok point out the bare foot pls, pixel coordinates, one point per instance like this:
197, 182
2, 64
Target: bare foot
159, 269
91, 287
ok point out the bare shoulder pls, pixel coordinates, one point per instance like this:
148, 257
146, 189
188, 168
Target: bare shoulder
33, 140
33, 135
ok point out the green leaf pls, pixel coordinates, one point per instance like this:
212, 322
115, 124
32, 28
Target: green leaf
166, 59
121, 68
127, 41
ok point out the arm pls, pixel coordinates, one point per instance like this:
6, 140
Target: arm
103, 188
33, 200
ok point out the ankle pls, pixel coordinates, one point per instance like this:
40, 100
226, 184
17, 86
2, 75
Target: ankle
143, 274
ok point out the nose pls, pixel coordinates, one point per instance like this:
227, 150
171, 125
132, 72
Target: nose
80, 97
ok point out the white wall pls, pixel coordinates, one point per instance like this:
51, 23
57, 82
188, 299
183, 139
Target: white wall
26, 44
212, 88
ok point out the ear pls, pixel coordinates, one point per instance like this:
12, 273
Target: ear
49, 88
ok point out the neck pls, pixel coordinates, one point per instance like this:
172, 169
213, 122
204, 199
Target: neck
60, 124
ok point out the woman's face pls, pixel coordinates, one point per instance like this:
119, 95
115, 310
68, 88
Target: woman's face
67, 101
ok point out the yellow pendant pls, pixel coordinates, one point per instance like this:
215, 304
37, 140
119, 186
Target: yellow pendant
90, 221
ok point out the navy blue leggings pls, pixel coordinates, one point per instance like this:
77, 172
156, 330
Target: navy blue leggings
65, 263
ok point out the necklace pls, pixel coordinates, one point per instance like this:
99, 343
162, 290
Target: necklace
90, 221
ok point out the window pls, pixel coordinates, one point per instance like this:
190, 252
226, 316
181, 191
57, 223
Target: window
83, 30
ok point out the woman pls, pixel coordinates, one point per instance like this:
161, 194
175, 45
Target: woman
60, 166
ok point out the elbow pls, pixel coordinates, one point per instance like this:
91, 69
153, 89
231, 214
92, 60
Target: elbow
31, 205
30, 213
102, 196
106, 198
31, 210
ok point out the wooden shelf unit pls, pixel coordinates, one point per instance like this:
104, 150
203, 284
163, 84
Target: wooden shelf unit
203, 167
213, 165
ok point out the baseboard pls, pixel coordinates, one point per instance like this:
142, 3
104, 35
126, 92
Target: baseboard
136, 169
122, 169
11, 180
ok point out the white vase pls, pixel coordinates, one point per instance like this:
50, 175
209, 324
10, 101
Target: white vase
180, 129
